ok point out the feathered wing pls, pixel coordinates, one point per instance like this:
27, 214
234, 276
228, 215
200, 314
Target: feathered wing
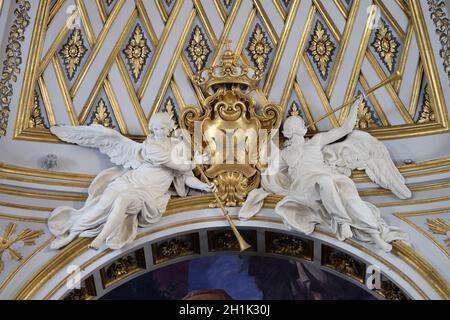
361, 151
121, 150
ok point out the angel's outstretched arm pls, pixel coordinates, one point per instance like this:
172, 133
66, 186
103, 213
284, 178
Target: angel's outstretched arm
335, 134
195, 183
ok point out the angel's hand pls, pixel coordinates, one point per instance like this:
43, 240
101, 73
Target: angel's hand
200, 158
209, 188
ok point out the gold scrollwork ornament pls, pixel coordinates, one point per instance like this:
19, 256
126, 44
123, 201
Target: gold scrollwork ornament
230, 127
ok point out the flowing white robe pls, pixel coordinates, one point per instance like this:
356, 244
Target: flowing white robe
146, 190
299, 170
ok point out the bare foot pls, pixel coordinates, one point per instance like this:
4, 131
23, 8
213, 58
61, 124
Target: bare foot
386, 247
346, 231
95, 245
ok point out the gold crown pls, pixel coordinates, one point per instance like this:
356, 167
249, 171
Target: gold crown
227, 73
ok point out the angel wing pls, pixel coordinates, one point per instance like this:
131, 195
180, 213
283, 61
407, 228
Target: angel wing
361, 151
121, 150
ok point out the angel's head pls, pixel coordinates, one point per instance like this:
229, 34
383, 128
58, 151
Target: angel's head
293, 126
161, 124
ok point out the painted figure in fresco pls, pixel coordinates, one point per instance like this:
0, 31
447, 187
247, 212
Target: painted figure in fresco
314, 178
135, 192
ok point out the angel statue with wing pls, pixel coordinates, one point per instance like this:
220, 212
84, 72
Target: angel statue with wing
132, 194
314, 178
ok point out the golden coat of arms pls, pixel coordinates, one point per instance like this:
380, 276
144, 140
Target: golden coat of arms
232, 127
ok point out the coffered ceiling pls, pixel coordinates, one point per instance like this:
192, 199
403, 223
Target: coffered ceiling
117, 62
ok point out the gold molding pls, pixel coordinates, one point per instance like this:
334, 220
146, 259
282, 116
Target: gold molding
28, 84
304, 103
295, 65
373, 99
54, 46
159, 48
417, 86
126, 80
389, 88
169, 72
9, 217
78, 247
43, 195
413, 202
341, 8
328, 21
25, 207
47, 101
343, 45
40, 173
281, 46
161, 10
404, 215
148, 25
220, 10
44, 182
404, 55
423, 267
115, 106
205, 22
54, 11
279, 9
427, 55
386, 12
24, 262
319, 90
404, 6
265, 19
82, 177
98, 45
357, 66
107, 66
64, 91
226, 31
86, 22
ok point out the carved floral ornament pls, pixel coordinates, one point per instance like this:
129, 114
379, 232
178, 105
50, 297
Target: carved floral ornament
101, 115
259, 48
137, 52
365, 117
321, 48
73, 52
198, 49
11, 65
426, 114
386, 45
441, 21
36, 119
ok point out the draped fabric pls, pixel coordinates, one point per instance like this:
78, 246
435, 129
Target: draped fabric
302, 207
143, 191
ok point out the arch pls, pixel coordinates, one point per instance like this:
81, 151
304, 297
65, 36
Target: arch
402, 269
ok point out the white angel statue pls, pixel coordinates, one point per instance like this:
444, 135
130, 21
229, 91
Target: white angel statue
135, 192
314, 178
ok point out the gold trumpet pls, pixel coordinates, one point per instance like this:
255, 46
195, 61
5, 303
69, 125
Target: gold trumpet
243, 245
395, 76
